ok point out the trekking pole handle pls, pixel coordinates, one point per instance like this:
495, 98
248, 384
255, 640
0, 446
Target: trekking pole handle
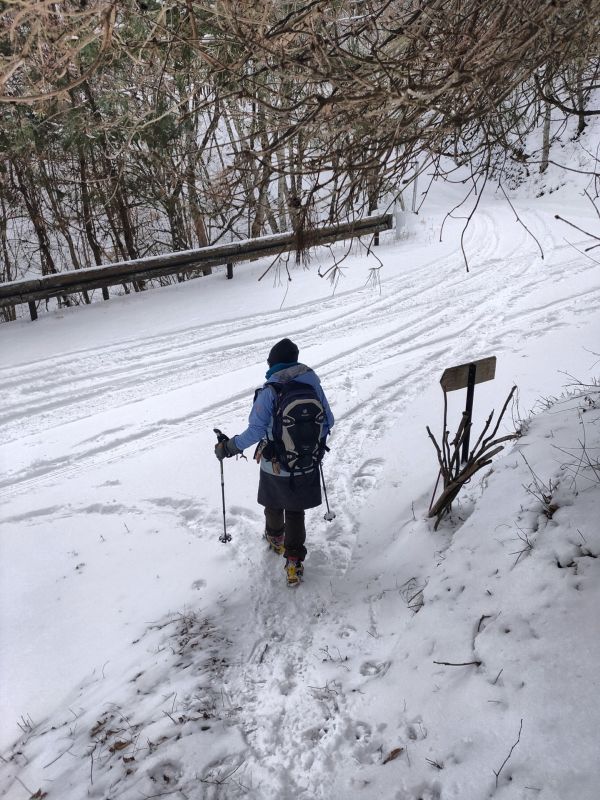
220, 435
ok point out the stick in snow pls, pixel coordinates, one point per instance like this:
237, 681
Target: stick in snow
497, 774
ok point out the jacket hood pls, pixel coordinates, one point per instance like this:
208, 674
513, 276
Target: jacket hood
289, 373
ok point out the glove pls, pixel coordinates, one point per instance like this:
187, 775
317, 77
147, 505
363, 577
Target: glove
226, 448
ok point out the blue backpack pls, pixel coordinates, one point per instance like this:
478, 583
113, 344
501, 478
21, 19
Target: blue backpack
298, 426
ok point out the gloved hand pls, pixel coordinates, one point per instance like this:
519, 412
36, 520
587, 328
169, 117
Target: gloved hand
225, 448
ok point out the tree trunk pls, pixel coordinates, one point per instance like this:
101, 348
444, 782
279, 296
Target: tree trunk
546, 137
282, 191
6, 272
88, 218
262, 201
26, 185
580, 102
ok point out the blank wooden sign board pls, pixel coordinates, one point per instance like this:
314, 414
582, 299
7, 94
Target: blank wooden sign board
458, 377
465, 376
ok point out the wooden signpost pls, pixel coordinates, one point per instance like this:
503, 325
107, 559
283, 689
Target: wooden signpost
466, 376
457, 464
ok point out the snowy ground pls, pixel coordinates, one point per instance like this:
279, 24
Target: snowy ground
143, 658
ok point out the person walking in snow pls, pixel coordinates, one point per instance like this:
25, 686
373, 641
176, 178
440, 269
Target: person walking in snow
290, 420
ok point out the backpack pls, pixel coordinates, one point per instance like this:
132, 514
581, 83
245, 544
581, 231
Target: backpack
298, 422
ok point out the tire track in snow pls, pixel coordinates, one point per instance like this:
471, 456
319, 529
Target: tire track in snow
393, 341
183, 358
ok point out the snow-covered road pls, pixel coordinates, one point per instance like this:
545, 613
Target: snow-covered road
429, 314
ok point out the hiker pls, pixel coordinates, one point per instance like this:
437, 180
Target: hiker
289, 450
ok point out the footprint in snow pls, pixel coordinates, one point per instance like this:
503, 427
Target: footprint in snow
416, 731
366, 475
374, 669
167, 773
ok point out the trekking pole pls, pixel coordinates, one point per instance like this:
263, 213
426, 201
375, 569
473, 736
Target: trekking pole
330, 515
225, 537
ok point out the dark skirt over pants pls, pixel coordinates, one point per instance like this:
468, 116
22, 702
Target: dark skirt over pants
295, 494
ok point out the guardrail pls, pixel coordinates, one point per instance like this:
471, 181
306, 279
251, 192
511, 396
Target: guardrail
63, 283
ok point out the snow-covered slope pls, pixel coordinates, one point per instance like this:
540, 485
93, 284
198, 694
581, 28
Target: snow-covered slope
143, 658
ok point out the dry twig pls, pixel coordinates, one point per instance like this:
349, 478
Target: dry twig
455, 474
497, 772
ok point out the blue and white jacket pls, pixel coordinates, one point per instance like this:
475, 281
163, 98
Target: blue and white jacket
260, 421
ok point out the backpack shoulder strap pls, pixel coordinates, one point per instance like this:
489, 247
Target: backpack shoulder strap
275, 386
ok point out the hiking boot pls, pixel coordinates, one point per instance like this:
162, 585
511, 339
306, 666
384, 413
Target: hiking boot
275, 543
294, 570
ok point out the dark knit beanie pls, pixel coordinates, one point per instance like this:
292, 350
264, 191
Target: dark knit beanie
284, 352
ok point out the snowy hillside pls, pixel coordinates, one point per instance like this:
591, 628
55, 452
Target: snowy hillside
143, 658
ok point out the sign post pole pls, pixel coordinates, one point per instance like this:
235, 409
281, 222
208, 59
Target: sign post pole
469, 410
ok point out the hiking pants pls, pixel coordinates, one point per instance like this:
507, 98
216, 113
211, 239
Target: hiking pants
291, 524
